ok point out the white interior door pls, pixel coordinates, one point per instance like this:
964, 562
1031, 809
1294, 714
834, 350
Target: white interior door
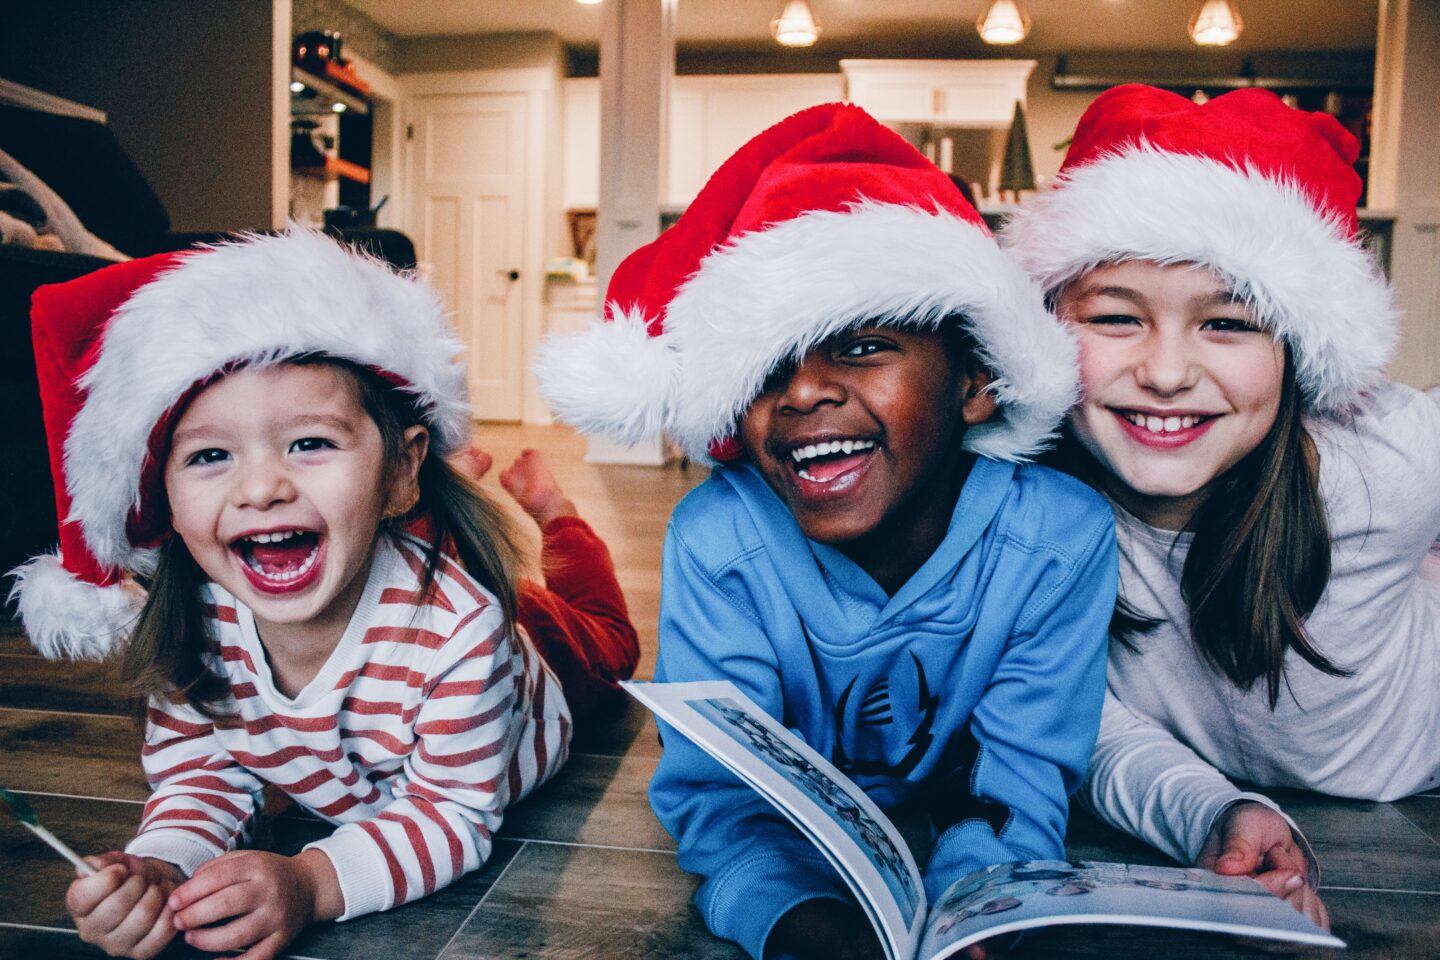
467, 215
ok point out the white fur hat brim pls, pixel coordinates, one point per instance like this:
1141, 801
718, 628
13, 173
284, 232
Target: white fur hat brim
773, 294
1312, 285
69, 618
256, 302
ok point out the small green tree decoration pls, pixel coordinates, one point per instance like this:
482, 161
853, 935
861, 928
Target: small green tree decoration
1016, 171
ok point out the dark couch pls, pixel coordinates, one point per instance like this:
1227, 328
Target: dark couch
84, 163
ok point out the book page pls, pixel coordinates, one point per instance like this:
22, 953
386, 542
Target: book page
823, 803
1037, 893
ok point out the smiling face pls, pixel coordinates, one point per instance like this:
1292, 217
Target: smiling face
277, 484
861, 440
1179, 383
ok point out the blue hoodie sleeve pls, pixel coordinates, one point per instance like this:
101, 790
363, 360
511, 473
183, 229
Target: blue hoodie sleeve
754, 864
1033, 730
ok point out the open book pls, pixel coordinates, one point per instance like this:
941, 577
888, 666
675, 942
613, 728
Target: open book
867, 850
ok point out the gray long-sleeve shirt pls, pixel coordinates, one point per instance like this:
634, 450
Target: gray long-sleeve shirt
1175, 731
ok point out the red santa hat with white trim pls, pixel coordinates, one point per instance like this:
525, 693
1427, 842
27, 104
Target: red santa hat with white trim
120, 352
822, 222
1262, 194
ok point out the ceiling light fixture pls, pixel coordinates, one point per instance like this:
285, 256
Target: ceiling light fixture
796, 26
1216, 24
588, 3
1003, 23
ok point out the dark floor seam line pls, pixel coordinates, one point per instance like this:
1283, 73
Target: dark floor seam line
589, 846
78, 796
76, 713
481, 902
1417, 826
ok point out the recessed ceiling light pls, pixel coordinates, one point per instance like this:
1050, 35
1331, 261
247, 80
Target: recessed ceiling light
338, 108
588, 3
297, 87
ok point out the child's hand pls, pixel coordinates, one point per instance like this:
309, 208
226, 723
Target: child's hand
121, 909
1252, 840
825, 930
268, 899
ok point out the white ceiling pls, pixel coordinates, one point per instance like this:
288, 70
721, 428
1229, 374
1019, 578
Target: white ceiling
1059, 25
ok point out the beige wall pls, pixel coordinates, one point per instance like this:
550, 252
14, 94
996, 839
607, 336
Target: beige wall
495, 51
187, 85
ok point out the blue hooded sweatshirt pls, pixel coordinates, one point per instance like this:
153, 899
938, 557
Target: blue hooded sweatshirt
973, 693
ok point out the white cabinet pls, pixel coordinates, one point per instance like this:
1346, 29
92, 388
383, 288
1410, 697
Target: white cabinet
710, 118
580, 143
956, 93
731, 110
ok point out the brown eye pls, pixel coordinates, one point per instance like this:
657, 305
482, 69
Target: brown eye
1230, 325
207, 456
865, 347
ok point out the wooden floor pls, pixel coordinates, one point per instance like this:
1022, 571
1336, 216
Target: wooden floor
582, 869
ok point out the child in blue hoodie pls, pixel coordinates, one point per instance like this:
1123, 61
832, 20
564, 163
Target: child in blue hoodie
871, 562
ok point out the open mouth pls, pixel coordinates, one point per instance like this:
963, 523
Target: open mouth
830, 461
280, 561
1172, 430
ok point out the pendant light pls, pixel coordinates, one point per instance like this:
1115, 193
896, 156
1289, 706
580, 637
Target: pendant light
1216, 24
796, 26
1003, 23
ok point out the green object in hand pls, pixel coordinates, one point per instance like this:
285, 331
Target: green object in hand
23, 812
20, 808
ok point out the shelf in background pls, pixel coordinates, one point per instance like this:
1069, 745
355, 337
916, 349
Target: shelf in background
329, 91
334, 167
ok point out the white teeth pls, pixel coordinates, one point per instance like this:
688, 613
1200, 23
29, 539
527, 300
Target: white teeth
288, 576
801, 454
1162, 424
277, 537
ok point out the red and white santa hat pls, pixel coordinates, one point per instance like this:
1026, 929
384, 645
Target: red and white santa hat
1260, 193
120, 352
826, 220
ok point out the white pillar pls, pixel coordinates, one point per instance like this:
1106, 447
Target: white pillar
637, 62
1405, 175
281, 42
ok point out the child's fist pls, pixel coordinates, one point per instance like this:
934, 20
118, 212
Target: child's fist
122, 908
267, 899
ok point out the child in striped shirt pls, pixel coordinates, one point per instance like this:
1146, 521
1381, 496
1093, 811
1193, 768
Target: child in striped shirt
258, 431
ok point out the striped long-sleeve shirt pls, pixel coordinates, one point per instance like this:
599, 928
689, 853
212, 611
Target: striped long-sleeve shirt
430, 717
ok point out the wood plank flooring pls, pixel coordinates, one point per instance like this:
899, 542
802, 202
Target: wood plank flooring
582, 869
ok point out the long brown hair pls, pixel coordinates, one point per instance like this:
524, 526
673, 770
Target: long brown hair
170, 651
1260, 557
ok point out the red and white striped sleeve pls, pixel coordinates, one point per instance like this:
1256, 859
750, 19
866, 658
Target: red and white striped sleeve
452, 792
202, 802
